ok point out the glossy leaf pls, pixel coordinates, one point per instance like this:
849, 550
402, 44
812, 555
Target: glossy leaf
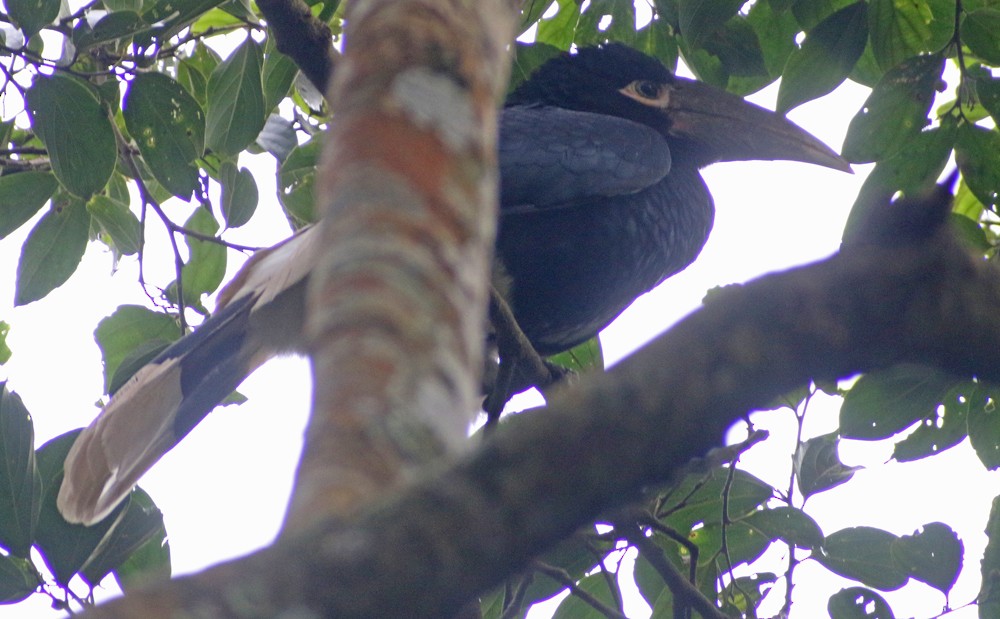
52, 251
858, 603
944, 429
278, 137
744, 544
603, 20
239, 194
65, 547
278, 73
21, 196
168, 126
18, 579
582, 357
989, 593
988, 93
885, 402
894, 112
5, 352
786, 523
117, 26
828, 54
699, 499
776, 31
981, 32
915, 168
32, 15
77, 133
21, 497
296, 176
901, 30
978, 156
194, 70
172, 16
984, 425
933, 555
863, 554
127, 328
236, 112
811, 12
558, 30
118, 222
206, 266
818, 467
141, 523
150, 562
700, 19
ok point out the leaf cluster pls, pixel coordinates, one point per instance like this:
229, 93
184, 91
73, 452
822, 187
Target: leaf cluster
130, 544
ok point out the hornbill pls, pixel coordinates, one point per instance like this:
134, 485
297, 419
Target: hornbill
601, 200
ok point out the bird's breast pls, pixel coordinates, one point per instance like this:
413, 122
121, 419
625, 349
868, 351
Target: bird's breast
573, 269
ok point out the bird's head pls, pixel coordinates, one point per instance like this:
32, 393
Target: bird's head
703, 124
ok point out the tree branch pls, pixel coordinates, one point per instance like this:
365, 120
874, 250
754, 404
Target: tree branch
302, 37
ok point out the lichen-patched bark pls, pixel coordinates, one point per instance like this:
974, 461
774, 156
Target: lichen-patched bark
407, 193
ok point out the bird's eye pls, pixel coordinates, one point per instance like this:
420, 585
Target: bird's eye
647, 89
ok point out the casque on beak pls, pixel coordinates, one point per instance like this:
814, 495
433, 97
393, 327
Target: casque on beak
727, 128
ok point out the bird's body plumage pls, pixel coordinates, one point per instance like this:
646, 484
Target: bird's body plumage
601, 200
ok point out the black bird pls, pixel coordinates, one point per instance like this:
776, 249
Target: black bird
601, 200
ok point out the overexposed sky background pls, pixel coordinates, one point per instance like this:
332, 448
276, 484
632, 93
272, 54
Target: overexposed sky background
224, 489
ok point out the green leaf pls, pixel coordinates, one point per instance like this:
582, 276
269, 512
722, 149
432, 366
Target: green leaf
18, 579
559, 30
885, 402
894, 112
239, 194
117, 26
206, 266
278, 137
172, 16
141, 523
863, 554
278, 73
776, 31
700, 19
575, 556
65, 547
150, 563
76, 131
826, 57
236, 112
901, 30
933, 555
988, 93
193, 71
118, 222
942, 430
914, 169
989, 593
984, 425
818, 467
858, 603
792, 525
32, 15
129, 327
21, 196
743, 544
21, 495
698, 498
980, 30
52, 251
604, 20
296, 176
978, 156
5, 352
575, 608
168, 126
582, 357
811, 12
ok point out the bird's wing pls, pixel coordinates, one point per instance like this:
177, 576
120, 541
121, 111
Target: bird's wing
552, 157
260, 315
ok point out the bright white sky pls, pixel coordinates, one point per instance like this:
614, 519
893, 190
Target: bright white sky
223, 490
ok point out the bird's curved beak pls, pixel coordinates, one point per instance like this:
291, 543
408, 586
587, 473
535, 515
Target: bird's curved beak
726, 128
